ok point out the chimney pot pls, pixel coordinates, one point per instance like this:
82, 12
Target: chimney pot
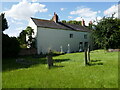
90, 22
55, 18
83, 22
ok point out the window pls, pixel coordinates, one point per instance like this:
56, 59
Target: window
85, 36
71, 35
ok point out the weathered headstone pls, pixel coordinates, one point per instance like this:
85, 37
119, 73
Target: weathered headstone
85, 56
49, 59
61, 49
68, 48
88, 52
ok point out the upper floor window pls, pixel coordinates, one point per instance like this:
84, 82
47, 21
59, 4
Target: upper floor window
85, 36
71, 35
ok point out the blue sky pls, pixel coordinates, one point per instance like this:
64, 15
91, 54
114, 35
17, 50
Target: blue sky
18, 13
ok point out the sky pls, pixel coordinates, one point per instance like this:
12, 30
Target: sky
18, 13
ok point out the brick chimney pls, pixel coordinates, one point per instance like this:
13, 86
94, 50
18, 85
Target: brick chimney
90, 22
55, 18
83, 22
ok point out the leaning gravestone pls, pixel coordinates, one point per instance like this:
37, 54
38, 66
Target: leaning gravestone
49, 59
86, 57
88, 53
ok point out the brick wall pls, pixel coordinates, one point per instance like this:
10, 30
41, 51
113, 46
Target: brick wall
28, 51
113, 50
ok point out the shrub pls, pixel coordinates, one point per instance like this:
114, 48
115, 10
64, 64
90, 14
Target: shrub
10, 46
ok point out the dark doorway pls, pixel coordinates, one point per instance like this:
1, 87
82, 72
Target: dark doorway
85, 45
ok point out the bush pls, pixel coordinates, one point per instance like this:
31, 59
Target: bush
10, 46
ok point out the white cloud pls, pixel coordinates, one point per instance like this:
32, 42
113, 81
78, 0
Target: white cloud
85, 13
34, 0
99, 11
62, 9
50, 15
99, 18
70, 17
24, 10
111, 10
15, 22
14, 32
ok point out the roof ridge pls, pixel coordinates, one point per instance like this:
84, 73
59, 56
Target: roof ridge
58, 25
41, 19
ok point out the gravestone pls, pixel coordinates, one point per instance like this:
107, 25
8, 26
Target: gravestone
88, 53
86, 57
68, 51
49, 59
61, 49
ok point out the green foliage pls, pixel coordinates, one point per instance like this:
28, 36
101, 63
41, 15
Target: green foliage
107, 33
72, 22
10, 46
4, 21
29, 33
73, 74
22, 38
63, 21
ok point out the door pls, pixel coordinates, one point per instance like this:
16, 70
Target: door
85, 45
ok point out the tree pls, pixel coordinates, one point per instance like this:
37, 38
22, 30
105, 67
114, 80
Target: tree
10, 46
26, 38
63, 21
72, 22
22, 39
107, 33
29, 32
4, 21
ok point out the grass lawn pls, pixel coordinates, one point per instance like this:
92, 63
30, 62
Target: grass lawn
70, 72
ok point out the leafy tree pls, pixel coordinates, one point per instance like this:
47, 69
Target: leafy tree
10, 46
72, 22
26, 38
4, 21
29, 32
63, 21
107, 33
22, 39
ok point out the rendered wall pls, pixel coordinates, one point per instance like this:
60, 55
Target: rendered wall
55, 38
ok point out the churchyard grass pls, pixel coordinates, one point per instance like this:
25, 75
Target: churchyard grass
69, 71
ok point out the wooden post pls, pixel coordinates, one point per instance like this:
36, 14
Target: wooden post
85, 56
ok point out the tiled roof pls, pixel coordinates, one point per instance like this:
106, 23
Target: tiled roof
59, 25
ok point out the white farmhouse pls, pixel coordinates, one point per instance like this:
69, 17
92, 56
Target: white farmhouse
58, 36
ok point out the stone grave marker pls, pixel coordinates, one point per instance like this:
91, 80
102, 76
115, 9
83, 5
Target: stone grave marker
49, 59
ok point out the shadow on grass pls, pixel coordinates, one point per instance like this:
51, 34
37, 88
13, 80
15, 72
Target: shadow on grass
55, 66
44, 55
95, 62
11, 64
60, 60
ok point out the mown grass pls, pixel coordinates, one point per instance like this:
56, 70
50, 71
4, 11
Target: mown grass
70, 72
